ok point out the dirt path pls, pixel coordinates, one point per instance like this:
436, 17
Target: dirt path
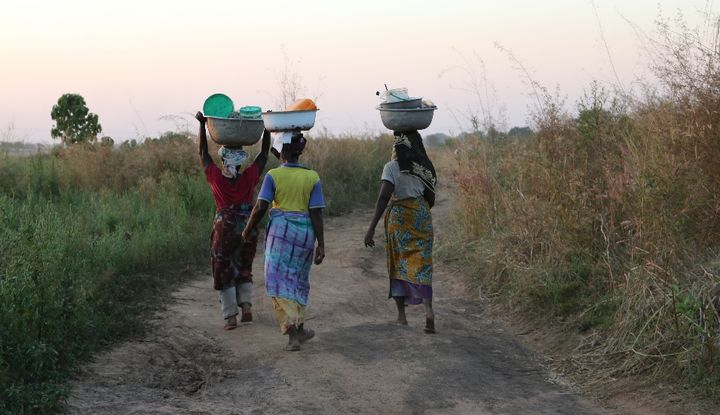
358, 363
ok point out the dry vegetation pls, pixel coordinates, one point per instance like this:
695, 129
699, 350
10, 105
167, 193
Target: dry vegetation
609, 220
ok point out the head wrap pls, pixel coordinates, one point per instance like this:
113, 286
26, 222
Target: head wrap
412, 158
292, 142
281, 139
232, 158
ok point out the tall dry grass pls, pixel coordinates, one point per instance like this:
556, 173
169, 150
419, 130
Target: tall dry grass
350, 169
608, 219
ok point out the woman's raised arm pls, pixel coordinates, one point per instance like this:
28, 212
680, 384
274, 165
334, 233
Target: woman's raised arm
205, 158
262, 157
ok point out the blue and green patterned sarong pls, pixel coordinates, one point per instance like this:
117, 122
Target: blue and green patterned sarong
289, 248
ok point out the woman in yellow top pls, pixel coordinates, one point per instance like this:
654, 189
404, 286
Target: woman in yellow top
295, 224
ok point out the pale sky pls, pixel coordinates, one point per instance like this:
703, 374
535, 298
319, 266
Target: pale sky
145, 66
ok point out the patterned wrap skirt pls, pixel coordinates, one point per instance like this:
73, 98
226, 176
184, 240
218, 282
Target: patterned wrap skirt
289, 249
231, 257
409, 234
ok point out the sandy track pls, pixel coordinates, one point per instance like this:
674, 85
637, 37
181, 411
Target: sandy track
358, 363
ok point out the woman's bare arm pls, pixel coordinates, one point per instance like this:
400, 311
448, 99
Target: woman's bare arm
259, 210
386, 191
262, 157
317, 224
205, 158
429, 196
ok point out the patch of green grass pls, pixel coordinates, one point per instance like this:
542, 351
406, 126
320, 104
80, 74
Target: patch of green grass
69, 277
86, 234
559, 295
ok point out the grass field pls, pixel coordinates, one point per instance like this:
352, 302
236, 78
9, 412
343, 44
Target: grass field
93, 237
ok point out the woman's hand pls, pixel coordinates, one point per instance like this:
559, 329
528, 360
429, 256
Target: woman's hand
200, 117
245, 234
319, 255
369, 242
384, 196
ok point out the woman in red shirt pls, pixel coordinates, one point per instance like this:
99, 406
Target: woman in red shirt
233, 192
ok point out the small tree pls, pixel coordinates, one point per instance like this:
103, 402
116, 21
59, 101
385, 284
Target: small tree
74, 123
107, 141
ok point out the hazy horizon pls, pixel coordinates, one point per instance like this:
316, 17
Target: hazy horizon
146, 67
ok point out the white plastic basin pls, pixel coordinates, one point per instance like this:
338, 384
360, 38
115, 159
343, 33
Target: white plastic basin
277, 121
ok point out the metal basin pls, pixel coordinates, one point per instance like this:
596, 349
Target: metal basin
407, 104
235, 131
406, 119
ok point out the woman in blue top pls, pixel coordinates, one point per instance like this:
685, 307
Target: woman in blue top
295, 224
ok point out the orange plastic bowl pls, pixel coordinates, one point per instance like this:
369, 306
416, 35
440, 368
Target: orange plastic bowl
302, 104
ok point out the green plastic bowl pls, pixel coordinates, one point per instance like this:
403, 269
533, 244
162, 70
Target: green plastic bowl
218, 105
251, 111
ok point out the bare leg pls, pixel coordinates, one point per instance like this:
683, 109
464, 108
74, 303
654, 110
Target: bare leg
400, 303
293, 339
429, 316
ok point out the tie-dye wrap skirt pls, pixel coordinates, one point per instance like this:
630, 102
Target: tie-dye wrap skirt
289, 248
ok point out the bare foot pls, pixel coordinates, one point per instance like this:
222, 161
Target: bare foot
429, 325
293, 340
293, 346
230, 323
305, 335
